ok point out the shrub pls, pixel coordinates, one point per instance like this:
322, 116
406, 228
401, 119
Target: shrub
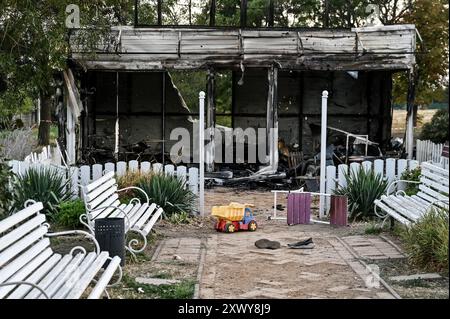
42, 184
411, 175
426, 241
363, 188
167, 191
437, 129
69, 212
179, 218
5, 193
128, 179
17, 144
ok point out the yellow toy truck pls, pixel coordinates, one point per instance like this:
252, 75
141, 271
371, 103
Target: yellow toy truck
234, 217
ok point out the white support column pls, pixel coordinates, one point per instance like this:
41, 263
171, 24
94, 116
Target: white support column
323, 152
410, 135
201, 137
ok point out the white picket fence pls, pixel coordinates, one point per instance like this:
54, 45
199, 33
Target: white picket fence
428, 151
85, 174
391, 169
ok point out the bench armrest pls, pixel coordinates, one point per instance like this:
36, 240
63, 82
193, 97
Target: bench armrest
396, 182
18, 283
77, 232
136, 188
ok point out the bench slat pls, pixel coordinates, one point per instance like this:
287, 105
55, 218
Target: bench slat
50, 277
21, 245
37, 275
64, 275
393, 213
152, 221
76, 275
26, 270
435, 177
103, 198
90, 187
396, 205
12, 267
135, 217
87, 276
432, 193
145, 216
21, 231
20, 216
432, 184
104, 279
99, 190
435, 169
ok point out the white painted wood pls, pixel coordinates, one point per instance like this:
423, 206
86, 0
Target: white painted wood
390, 171
64, 275
182, 173
97, 171
121, 168
100, 190
342, 171
153, 220
158, 168
26, 270
88, 275
145, 167
354, 168
21, 245
11, 268
169, 169
37, 275
133, 166
412, 164
378, 167
21, 231
104, 279
50, 276
91, 186
20, 216
330, 185
73, 176
146, 216
85, 175
402, 166
110, 167
77, 274
193, 180
367, 166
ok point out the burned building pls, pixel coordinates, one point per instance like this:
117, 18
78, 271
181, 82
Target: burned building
278, 75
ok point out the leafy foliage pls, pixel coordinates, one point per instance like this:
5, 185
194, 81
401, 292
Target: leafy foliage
411, 175
42, 184
179, 218
5, 193
437, 129
69, 213
426, 241
167, 191
363, 188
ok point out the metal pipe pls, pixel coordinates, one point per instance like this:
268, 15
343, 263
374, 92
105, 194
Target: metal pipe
201, 134
323, 151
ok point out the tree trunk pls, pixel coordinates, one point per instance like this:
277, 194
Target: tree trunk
46, 120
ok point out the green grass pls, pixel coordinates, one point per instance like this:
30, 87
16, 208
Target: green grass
182, 290
373, 229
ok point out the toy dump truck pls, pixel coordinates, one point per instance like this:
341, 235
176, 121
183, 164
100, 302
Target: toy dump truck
234, 217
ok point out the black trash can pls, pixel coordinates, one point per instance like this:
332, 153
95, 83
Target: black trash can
110, 234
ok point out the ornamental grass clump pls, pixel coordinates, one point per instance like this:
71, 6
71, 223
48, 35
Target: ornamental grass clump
363, 188
426, 241
42, 184
167, 191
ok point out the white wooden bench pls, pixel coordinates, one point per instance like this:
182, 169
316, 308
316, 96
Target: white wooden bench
433, 192
30, 269
102, 201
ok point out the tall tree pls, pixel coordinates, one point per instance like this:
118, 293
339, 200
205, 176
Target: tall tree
34, 47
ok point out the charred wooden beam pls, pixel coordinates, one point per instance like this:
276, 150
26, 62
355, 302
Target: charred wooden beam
271, 13
243, 13
159, 12
272, 116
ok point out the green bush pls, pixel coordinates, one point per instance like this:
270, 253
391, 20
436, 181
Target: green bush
426, 241
411, 175
363, 188
437, 129
168, 192
44, 184
5, 193
69, 212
